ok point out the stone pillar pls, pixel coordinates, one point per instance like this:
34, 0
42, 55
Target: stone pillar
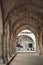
41, 43
4, 48
5, 57
10, 47
38, 39
9, 39
14, 43
37, 47
1, 33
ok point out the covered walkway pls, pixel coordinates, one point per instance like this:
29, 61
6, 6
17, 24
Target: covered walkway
16, 16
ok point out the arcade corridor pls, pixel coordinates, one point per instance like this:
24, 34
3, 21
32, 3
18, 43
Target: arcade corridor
16, 16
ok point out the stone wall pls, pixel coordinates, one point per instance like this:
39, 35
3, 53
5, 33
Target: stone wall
1, 32
9, 43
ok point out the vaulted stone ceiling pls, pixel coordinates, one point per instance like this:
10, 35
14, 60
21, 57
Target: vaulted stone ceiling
21, 12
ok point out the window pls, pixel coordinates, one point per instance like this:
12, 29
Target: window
30, 45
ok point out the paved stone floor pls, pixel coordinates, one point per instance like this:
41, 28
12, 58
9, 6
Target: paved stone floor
26, 59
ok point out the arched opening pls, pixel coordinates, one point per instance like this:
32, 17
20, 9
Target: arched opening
26, 41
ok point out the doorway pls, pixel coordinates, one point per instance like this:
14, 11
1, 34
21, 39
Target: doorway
26, 41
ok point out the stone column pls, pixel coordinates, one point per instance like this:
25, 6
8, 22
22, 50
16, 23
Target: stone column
5, 57
1, 34
39, 42
9, 39
14, 43
9, 47
4, 48
37, 48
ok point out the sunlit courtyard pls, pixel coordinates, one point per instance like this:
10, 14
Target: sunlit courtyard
26, 41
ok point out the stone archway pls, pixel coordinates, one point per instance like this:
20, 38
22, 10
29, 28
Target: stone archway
24, 38
23, 27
